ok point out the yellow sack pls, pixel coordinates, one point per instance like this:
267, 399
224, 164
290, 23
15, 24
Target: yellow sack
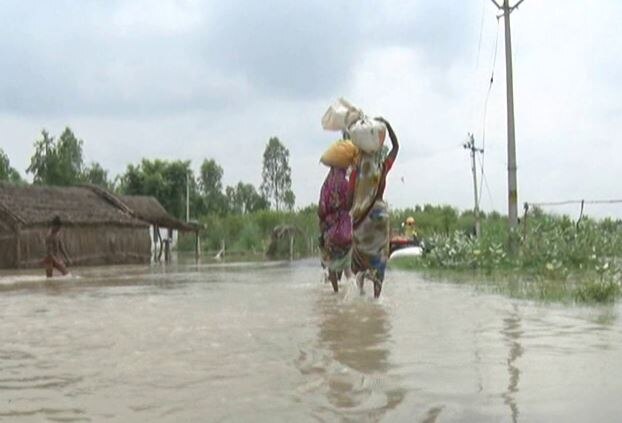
342, 154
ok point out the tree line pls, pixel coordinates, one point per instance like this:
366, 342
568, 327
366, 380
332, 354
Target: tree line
60, 162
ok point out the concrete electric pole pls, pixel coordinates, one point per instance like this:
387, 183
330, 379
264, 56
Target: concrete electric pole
512, 185
470, 145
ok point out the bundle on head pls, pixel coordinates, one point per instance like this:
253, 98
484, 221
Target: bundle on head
341, 154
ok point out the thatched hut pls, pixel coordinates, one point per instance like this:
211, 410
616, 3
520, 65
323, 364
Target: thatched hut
149, 209
97, 230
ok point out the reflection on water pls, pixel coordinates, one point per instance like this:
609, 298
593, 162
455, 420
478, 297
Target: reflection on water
268, 343
347, 370
357, 334
512, 333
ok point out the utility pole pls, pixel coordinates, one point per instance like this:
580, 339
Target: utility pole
188, 196
512, 185
470, 145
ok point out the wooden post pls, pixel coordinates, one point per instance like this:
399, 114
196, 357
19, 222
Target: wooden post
156, 239
526, 208
196, 245
18, 245
291, 246
167, 245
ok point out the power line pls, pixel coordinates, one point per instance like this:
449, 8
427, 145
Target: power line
485, 113
568, 202
485, 182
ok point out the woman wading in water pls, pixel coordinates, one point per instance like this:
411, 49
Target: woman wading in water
370, 215
334, 212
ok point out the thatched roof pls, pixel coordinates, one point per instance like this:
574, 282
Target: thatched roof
150, 210
35, 205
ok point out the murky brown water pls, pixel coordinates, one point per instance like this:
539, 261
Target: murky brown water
273, 344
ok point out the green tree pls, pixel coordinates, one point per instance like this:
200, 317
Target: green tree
276, 175
165, 180
210, 184
57, 162
289, 199
95, 174
233, 206
8, 173
244, 198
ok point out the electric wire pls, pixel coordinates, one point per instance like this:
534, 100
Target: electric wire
485, 112
481, 30
484, 180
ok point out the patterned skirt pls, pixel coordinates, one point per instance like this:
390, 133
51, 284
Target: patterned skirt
370, 243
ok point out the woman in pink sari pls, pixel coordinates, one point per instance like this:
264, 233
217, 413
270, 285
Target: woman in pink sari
335, 224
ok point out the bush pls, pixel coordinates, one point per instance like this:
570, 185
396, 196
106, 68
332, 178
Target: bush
597, 292
552, 251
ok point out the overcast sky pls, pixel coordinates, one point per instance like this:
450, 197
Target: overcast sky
184, 79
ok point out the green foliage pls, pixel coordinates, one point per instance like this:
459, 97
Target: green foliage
251, 232
57, 162
244, 198
165, 180
60, 162
97, 175
210, 186
276, 175
289, 199
8, 173
562, 257
597, 292
435, 219
250, 238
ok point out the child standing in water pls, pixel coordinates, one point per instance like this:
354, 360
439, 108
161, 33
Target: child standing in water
54, 248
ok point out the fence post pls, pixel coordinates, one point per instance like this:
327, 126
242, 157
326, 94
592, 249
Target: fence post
196, 245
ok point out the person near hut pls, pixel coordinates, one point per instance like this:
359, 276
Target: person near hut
370, 214
56, 254
334, 211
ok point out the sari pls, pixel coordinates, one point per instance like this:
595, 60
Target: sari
370, 216
335, 221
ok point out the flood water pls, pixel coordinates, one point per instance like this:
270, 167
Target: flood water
272, 343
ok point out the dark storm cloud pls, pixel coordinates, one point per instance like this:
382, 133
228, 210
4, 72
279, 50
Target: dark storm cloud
287, 48
307, 49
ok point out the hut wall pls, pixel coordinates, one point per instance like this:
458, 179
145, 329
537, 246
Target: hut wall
7, 246
90, 244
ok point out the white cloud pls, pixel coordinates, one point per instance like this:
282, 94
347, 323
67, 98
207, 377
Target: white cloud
193, 80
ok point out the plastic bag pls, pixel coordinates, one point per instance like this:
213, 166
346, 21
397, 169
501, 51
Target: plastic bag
368, 134
340, 116
341, 154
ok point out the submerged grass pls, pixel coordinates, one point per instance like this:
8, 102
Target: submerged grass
556, 259
582, 289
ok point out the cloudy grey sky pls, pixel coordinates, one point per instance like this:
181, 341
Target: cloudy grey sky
185, 79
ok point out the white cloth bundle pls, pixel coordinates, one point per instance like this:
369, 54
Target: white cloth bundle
340, 116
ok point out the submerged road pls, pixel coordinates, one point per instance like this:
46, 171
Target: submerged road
272, 343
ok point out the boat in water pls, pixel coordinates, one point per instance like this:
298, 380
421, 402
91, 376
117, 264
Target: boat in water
401, 246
